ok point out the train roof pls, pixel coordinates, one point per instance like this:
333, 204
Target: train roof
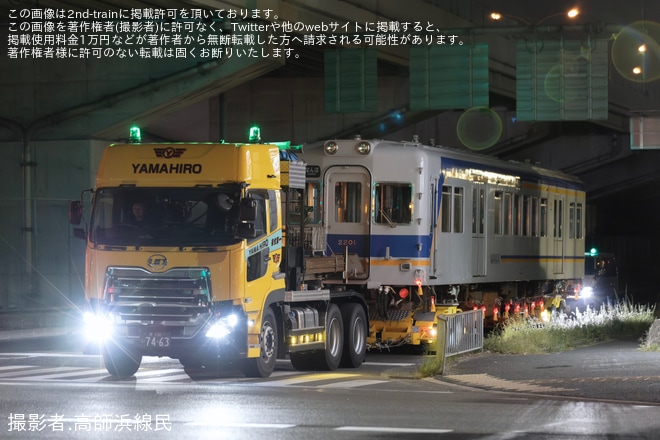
462, 158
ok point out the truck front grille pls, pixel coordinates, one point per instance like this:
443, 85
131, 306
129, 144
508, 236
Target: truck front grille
179, 296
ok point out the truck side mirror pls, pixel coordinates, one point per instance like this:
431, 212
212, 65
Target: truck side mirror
247, 218
248, 211
75, 212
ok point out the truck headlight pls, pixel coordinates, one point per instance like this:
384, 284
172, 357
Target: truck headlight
98, 327
223, 327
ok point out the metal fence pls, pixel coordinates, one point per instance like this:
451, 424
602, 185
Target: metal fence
464, 331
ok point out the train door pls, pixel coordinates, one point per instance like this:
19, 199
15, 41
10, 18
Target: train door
478, 229
558, 235
348, 214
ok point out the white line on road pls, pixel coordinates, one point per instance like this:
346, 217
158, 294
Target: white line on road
394, 430
352, 383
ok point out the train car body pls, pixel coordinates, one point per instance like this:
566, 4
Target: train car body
444, 224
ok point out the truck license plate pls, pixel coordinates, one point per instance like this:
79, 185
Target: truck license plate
153, 340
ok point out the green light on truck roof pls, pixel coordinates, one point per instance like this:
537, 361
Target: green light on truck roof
134, 136
254, 135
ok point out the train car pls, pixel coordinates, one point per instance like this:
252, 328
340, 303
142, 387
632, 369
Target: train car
429, 223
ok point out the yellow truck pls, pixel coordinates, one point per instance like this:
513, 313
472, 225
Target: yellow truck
192, 253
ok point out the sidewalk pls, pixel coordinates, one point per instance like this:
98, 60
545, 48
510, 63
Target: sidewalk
608, 371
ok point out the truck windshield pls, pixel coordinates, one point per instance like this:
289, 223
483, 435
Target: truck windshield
164, 217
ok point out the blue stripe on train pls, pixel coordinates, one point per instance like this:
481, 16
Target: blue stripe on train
406, 246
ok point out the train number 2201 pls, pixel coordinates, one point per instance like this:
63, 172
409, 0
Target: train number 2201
346, 242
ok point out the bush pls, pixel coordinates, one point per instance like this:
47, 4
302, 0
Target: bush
564, 332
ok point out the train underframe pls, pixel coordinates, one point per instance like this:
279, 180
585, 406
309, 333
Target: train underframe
408, 315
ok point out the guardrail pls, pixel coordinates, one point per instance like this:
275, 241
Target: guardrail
464, 332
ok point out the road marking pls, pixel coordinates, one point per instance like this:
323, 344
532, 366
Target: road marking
178, 376
172, 378
80, 373
394, 430
390, 364
352, 383
15, 367
31, 371
305, 379
221, 424
141, 374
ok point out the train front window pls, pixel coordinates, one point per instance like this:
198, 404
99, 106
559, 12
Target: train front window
348, 202
393, 203
164, 217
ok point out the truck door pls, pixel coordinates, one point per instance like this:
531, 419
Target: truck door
348, 214
478, 229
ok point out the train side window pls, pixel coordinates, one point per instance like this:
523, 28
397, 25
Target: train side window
445, 214
578, 221
526, 217
458, 209
558, 219
543, 218
575, 220
348, 202
497, 213
535, 217
394, 203
313, 206
508, 214
516, 214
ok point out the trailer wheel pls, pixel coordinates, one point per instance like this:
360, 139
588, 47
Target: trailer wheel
355, 335
330, 358
264, 365
120, 362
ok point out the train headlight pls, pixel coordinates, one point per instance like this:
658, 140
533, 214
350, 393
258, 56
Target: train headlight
331, 147
364, 147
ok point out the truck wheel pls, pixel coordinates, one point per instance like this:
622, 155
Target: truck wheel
264, 365
119, 361
190, 362
355, 335
329, 358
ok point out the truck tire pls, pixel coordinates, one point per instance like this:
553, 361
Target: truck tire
120, 362
330, 358
190, 362
355, 335
264, 365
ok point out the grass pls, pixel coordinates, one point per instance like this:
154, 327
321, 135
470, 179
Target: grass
430, 367
563, 332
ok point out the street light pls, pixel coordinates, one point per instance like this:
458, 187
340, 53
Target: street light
497, 16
